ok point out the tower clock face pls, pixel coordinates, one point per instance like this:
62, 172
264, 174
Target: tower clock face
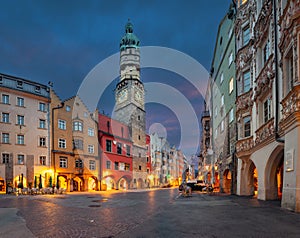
122, 95
138, 96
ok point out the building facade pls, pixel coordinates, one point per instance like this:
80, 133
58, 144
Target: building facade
168, 163
267, 33
115, 153
218, 120
25, 139
75, 159
130, 108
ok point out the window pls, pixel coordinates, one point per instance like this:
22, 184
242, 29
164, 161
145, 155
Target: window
62, 124
108, 164
78, 144
78, 163
216, 132
20, 159
230, 59
5, 117
230, 32
246, 35
42, 106
92, 165
42, 123
230, 85
42, 141
91, 149
91, 132
63, 162
62, 143
266, 52
77, 126
127, 167
222, 78
246, 81
247, 126
20, 139
231, 116
68, 108
20, 102
42, 160
140, 167
222, 100
141, 155
5, 99
267, 110
289, 71
37, 89
216, 111
20, 120
5, 138
222, 125
119, 148
116, 165
128, 150
108, 145
121, 166
5, 158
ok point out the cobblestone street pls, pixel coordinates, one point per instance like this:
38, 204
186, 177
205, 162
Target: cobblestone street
155, 213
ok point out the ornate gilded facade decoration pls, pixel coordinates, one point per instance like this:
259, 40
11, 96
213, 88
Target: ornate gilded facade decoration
260, 29
265, 79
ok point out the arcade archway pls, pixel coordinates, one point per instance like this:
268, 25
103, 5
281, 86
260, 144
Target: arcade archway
274, 174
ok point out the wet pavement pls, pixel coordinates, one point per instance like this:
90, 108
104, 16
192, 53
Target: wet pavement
149, 213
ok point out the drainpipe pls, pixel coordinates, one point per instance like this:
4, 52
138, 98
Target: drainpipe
234, 157
53, 156
277, 137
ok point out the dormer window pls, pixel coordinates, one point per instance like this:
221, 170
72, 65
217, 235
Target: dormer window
19, 84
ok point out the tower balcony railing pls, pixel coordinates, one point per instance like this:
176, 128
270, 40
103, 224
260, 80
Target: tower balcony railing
265, 132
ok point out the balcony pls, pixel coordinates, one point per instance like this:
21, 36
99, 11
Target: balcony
291, 107
265, 132
244, 146
244, 101
265, 79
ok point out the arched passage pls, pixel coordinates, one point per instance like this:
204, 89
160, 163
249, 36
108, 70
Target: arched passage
2, 185
226, 181
62, 181
274, 174
92, 183
78, 184
109, 183
252, 179
140, 183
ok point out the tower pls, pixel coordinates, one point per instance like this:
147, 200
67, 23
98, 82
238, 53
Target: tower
130, 106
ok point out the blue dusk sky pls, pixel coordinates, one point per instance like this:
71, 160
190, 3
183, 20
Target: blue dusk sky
62, 41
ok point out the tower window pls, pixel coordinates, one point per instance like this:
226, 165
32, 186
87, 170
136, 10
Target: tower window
139, 117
